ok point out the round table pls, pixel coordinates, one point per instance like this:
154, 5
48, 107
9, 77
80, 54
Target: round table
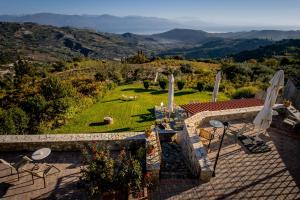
216, 123
41, 154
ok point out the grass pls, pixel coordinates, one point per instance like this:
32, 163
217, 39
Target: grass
131, 115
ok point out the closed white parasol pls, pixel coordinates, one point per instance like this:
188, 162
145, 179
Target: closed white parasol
171, 93
264, 118
216, 87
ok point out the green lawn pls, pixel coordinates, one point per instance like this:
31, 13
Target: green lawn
131, 115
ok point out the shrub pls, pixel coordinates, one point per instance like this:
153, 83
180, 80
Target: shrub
237, 72
209, 87
13, 121
104, 174
35, 106
52, 88
221, 87
163, 83
200, 86
245, 92
59, 66
99, 77
146, 84
186, 68
180, 84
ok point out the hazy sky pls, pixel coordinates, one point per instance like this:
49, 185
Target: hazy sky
233, 12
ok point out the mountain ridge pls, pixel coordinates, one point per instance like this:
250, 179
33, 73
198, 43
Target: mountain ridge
122, 24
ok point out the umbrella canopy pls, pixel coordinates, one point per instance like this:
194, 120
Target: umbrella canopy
156, 76
216, 87
264, 117
171, 93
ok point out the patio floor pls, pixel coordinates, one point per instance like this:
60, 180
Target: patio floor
61, 185
239, 175
271, 175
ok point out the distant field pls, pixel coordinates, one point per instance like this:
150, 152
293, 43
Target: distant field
128, 116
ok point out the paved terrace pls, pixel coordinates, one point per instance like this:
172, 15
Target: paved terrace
271, 175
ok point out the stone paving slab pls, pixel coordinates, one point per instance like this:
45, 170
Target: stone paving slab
239, 175
61, 185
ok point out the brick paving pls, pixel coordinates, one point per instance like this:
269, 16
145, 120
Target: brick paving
239, 175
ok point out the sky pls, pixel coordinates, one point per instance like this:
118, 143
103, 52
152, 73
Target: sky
227, 12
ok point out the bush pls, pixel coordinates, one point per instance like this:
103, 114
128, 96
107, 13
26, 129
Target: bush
180, 84
163, 83
13, 121
186, 68
245, 92
146, 84
200, 86
59, 66
209, 87
35, 106
104, 174
52, 88
221, 87
99, 77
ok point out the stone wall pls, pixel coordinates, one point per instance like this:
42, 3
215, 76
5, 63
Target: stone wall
153, 160
192, 147
71, 142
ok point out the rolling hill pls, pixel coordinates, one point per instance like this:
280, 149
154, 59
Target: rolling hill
45, 43
217, 49
286, 48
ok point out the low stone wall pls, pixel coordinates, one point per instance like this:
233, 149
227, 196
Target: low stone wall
74, 142
153, 160
192, 147
71, 142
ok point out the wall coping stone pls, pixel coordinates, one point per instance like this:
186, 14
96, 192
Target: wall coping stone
71, 137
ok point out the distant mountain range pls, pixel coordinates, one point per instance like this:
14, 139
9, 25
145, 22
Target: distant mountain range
49, 43
102, 23
133, 24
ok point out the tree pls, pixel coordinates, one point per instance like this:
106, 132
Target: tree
35, 106
180, 84
146, 84
186, 68
163, 83
52, 88
200, 86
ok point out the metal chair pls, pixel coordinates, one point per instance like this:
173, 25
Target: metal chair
18, 166
42, 174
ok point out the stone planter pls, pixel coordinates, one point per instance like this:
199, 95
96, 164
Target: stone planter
108, 120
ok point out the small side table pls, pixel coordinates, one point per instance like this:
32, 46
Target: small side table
40, 154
